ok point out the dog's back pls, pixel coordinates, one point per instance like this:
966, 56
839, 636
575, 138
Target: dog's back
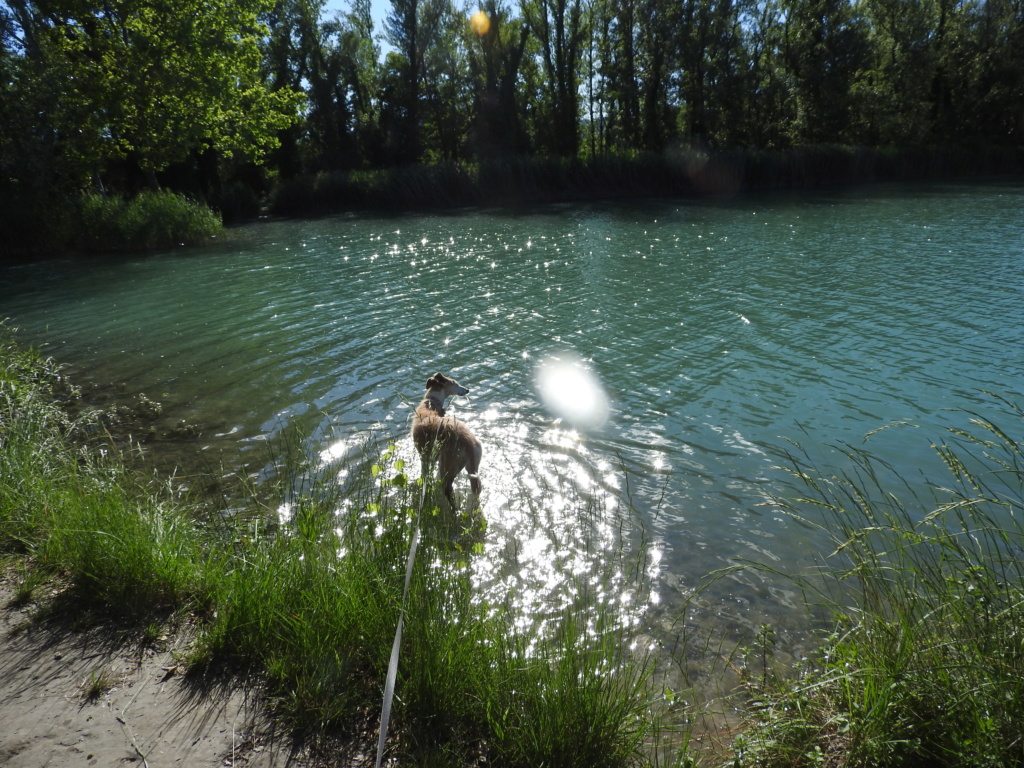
445, 439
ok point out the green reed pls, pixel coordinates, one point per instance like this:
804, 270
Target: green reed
146, 221
518, 180
315, 600
925, 664
78, 512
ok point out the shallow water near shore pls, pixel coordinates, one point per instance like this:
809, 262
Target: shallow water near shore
717, 331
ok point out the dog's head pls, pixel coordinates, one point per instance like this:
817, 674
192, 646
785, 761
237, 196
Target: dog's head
445, 386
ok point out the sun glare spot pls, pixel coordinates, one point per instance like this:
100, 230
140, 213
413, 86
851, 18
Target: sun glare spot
572, 392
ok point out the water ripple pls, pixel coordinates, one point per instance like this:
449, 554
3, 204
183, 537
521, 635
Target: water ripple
718, 331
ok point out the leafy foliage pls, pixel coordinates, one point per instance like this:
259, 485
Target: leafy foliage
147, 81
221, 100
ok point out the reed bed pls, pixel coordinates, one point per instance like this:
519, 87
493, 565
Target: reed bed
924, 664
679, 171
146, 221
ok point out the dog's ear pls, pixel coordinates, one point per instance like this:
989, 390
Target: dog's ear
435, 381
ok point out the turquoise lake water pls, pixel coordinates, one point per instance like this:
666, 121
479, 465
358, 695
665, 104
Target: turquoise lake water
680, 345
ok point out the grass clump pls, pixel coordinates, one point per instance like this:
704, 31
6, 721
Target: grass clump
925, 665
150, 220
97, 684
79, 512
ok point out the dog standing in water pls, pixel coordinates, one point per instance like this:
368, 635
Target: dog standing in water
445, 439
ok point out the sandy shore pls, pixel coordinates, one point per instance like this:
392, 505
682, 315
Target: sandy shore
151, 715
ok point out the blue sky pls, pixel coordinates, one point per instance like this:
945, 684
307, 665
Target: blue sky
380, 8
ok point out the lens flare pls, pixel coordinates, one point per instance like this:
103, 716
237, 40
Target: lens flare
572, 392
479, 23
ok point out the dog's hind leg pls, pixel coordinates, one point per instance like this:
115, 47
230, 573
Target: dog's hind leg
449, 492
449, 466
473, 456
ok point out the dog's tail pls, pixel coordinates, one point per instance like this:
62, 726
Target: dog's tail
474, 483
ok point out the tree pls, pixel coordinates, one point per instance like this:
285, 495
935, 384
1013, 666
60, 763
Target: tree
412, 27
825, 49
894, 87
448, 90
148, 81
716, 74
496, 48
618, 28
978, 83
769, 110
561, 29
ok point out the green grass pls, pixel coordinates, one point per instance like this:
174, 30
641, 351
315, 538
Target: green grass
308, 604
321, 625
147, 221
97, 684
925, 664
78, 512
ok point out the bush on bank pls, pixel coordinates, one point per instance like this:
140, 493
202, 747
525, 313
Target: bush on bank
148, 221
94, 223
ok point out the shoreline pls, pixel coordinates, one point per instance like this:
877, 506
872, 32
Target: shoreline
686, 172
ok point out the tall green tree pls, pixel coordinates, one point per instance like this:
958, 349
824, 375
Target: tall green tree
147, 81
447, 90
334, 62
561, 29
659, 19
413, 28
825, 48
895, 86
978, 81
497, 44
617, 27
633, 44
291, 26
769, 111
1000, 82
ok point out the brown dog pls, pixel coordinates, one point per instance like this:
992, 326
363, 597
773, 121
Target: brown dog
445, 439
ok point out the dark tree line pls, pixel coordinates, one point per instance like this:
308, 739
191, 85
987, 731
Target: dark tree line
594, 77
193, 93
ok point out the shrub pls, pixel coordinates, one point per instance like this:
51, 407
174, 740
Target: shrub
147, 221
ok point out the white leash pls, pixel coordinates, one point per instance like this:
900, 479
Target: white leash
389, 682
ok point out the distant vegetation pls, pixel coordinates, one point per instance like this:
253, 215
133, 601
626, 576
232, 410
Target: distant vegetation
229, 102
